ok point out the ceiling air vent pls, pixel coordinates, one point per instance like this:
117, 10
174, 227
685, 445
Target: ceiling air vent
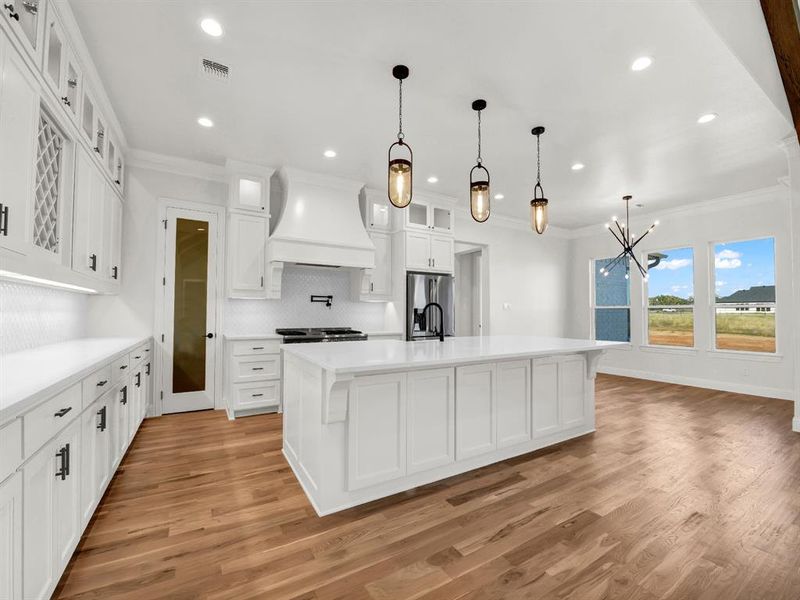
213, 70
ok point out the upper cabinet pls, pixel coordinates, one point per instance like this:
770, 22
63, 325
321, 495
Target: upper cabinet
60, 66
248, 187
375, 210
24, 18
423, 214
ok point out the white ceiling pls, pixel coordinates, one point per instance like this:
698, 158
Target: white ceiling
308, 76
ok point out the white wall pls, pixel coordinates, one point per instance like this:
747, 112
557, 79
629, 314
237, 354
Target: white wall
32, 316
529, 272
759, 214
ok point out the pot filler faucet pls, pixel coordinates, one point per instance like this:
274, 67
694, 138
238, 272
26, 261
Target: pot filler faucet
441, 317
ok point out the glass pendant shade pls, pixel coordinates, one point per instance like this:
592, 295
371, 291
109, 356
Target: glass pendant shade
400, 182
539, 215
479, 197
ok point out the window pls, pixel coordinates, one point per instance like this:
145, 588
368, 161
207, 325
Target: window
670, 298
612, 299
744, 282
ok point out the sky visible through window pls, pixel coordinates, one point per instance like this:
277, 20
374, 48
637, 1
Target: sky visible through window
673, 275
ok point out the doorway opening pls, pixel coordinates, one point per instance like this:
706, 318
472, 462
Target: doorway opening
471, 289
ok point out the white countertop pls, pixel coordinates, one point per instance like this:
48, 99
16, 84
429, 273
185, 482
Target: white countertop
32, 375
274, 336
383, 355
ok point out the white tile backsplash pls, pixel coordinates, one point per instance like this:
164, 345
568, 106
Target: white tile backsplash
294, 309
32, 316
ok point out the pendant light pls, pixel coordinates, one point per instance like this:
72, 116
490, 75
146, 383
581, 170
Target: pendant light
539, 202
628, 241
479, 206
399, 176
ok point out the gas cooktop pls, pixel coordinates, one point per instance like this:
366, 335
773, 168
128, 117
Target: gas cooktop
321, 334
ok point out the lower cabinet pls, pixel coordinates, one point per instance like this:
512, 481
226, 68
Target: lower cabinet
476, 410
376, 430
96, 453
559, 393
123, 410
513, 402
431, 419
252, 375
11, 537
52, 517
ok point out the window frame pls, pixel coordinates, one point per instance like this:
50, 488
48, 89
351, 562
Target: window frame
646, 303
712, 300
593, 303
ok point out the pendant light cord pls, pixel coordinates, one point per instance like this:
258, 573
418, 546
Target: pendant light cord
538, 162
479, 138
400, 134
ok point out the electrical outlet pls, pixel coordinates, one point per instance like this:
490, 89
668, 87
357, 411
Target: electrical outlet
506, 306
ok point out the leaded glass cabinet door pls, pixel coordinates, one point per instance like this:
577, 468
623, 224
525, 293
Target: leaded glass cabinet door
189, 310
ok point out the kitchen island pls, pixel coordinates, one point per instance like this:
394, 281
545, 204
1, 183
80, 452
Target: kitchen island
367, 419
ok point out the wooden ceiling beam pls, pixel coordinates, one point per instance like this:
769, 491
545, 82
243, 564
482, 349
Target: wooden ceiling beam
783, 23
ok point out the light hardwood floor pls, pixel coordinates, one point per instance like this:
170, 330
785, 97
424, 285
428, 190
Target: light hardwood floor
681, 493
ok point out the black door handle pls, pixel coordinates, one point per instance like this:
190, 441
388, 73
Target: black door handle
66, 101
102, 414
93, 261
209, 335
139, 379
115, 272
11, 13
3, 219
124, 399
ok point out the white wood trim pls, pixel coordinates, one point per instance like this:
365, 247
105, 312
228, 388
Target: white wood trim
175, 165
158, 298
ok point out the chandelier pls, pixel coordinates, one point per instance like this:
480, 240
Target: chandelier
628, 241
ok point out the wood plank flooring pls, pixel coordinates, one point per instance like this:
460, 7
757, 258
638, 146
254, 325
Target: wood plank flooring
681, 493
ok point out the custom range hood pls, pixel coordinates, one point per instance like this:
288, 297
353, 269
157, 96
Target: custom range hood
319, 223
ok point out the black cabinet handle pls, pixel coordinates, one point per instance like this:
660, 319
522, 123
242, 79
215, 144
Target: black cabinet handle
96, 149
114, 272
123, 367
3, 219
102, 383
124, 399
102, 414
62, 412
258, 347
63, 455
255, 395
139, 379
11, 13
257, 369
93, 262
117, 181
147, 366
31, 7
66, 101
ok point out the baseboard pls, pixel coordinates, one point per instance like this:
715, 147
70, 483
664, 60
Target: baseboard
796, 424
723, 386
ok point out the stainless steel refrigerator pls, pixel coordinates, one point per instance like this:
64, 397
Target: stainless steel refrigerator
421, 290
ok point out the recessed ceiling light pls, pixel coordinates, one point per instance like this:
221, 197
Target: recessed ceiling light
205, 122
433, 179
211, 27
499, 196
707, 118
641, 63
329, 153
577, 166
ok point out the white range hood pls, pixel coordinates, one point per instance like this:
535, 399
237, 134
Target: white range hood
319, 223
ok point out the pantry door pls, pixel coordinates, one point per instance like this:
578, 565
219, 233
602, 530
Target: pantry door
190, 309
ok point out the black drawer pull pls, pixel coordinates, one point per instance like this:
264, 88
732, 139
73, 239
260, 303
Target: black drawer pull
3, 219
147, 366
11, 13
123, 367
258, 348
102, 383
257, 369
66, 101
124, 399
255, 395
62, 412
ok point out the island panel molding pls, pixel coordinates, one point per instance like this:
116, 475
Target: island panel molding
364, 420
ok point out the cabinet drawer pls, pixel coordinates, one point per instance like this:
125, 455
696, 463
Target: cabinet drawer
44, 421
256, 395
249, 347
10, 448
119, 368
137, 355
256, 367
97, 384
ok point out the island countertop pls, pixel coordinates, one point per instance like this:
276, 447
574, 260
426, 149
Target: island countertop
386, 355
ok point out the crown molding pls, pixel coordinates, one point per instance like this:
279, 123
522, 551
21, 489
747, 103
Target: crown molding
164, 163
772, 193
513, 223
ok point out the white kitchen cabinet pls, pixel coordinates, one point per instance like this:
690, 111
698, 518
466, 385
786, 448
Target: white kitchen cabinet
249, 193
95, 454
122, 426
52, 517
89, 219
55, 53
247, 238
87, 114
513, 402
376, 211
375, 285
147, 395
418, 251
11, 536
422, 214
252, 375
376, 430
544, 394
19, 110
442, 253
112, 235
431, 419
572, 382
136, 400
476, 410
25, 19
71, 86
